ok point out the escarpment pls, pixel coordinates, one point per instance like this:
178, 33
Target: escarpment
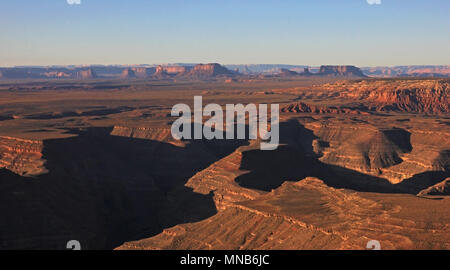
341, 71
23, 157
442, 188
419, 96
91, 178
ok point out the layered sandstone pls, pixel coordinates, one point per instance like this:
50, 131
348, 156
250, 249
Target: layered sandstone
301, 107
142, 72
344, 71
128, 74
169, 71
413, 71
86, 74
442, 188
23, 157
421, 96
209, 70
303, 215
394, 154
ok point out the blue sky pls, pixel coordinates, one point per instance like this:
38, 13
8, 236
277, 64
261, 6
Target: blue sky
311, 32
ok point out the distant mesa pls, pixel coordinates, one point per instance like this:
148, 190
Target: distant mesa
128, 73
328, 71
163, 72
209, 70
86, 74
344, 71
57, 75
20, 73
213, 70
440, 71
408, 71
287, 73
306, 72
200, 71
176, 70
143, 72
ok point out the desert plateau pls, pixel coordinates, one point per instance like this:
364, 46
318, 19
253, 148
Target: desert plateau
93, 159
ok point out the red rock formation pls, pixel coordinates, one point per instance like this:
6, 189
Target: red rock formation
142, 72
286, 72
128, 74
209, 70
56, 74
304, 215
86, 74
23, 157
169, 71
402, 71
424, 96
442, 188
301, 107
350, 71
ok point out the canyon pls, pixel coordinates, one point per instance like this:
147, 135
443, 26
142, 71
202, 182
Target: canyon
94, 160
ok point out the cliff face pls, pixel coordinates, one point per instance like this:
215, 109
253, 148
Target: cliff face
442, 188
331, 71
424, 96
86, 74
209, 70
23, 157
345, 71
142, 72
128, 74
169, 71
298, 212
405, 71
90, 178
301, 107
365, 148
286, 72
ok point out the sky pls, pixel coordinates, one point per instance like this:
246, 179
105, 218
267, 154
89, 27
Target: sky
302, 32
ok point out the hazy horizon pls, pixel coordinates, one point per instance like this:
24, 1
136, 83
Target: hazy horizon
231, 64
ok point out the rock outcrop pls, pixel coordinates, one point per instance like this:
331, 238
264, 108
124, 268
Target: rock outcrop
395, 154
300, 107
128, 74
442, 188
163, 72
306, 214
341, 71
208, 71
408, 71
420, 96
86, 74
23, 157
142, 72
287, 73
